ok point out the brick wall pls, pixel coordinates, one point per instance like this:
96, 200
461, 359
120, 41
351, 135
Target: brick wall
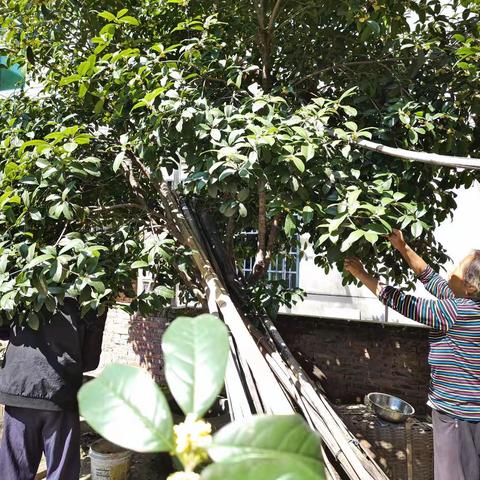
350, 358
133, 341
355, 358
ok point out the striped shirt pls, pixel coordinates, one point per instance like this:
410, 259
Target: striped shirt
454, 356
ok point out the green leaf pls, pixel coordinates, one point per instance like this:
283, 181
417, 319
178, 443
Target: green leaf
40, 259
416, 229
122, 12
378, 228
33, 321
289, 227
126, 407
216, 134
351, 126
336, 222
258, 105
242, 210
139, 264
373, 26
242, 195
56, 271
195, 354
70, 147
164, 292
107, 16
263, 436
351, 239
307, 214
117, 163
264, 469
298, 163
129, 20
413, 136
371, 237
36, 215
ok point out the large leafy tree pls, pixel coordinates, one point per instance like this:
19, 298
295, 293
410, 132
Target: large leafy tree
256, 103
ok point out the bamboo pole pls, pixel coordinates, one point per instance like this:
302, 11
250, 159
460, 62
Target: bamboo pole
430, 158
411, 155
332, 430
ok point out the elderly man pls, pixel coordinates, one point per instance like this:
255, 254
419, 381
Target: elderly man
39, 379
454, 358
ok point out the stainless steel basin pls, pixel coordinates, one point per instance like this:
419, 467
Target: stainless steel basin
388, 407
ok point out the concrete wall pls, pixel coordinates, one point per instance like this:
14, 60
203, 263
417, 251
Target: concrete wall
327, 298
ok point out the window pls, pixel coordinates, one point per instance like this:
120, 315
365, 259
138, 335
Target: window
282, 267
145, 282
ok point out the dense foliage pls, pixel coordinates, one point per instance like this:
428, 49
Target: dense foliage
240, 97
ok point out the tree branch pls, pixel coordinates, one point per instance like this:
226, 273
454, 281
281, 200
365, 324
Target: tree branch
259, 266
264, 40
272, 238
274, 15
262, 216
346, 64
229, 233
120, 206
259, 8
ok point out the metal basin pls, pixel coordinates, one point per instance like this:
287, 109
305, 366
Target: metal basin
388, 407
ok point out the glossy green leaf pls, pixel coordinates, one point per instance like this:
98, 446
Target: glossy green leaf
264, 469
299, 165
290, 226
195, 355
40, 259
371, 236
107, 16
129, 20
282, 436
416, 229
125, 406
351, 239
139, 264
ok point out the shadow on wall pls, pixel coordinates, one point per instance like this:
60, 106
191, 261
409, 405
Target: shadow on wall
145, 338
352, 359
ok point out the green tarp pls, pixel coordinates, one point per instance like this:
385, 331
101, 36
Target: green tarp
11, 77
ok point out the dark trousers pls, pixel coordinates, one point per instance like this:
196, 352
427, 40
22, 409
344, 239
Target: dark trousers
456, 445
28, 432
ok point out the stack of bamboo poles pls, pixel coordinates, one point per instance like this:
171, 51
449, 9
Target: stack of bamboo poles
263, 376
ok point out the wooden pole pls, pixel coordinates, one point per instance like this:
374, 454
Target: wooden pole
411, 155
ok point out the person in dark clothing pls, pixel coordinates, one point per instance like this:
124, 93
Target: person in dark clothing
40, 376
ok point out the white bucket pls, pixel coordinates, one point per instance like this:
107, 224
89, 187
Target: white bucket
108, 461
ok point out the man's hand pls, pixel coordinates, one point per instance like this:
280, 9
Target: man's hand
354, 266
397, 240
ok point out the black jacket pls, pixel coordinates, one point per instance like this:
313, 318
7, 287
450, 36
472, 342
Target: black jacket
43, 369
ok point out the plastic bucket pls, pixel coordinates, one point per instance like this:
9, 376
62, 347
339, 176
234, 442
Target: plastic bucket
108, 461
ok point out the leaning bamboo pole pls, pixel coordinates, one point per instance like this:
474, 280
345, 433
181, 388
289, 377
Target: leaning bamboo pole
274, 398
414, 156
335, 435
423, 157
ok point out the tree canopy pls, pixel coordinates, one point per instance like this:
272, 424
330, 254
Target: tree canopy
242, 99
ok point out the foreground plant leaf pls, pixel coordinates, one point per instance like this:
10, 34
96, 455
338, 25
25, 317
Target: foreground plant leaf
127, 408
195, 352
282, 436
261, 469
